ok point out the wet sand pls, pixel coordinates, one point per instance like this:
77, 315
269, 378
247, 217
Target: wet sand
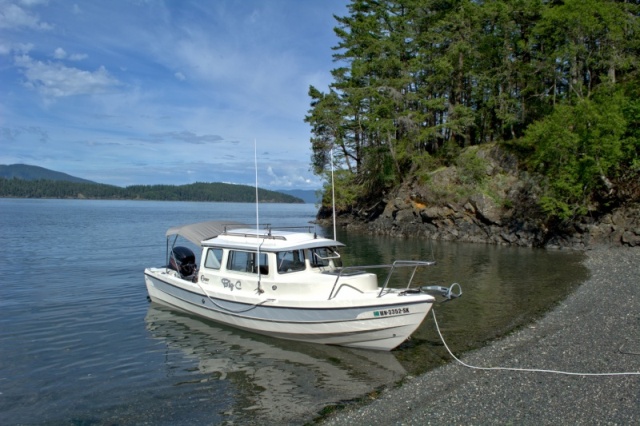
595, 330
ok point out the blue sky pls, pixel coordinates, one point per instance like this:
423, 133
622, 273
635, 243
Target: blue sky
164, 92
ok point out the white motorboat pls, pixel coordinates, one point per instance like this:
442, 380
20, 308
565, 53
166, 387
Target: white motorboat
290, 284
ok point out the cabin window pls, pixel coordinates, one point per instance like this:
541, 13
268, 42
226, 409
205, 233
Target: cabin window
290, 261
324, 256
213, 259
247, 261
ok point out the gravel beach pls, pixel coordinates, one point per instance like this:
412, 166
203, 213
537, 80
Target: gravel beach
595, 330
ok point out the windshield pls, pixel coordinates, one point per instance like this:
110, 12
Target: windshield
290, 261
325, 257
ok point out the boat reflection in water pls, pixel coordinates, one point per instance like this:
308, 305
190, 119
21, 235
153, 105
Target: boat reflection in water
266, 378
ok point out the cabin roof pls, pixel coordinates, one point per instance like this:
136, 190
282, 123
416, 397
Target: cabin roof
269, 240
241, 236
198, 232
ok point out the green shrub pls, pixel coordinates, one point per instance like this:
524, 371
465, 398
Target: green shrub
576, 149
472, 170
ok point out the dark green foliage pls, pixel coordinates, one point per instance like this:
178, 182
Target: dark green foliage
220, 192
579, 149
28, 172
472, 169
557, 81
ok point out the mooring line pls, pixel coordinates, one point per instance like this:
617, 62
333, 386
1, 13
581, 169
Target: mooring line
533, 370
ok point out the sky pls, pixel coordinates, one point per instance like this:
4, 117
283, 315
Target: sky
129, 92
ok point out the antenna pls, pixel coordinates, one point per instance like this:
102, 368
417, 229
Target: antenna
333, 196
255, 166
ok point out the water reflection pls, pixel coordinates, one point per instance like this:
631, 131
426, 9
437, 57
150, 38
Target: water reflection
504, 288
272, 381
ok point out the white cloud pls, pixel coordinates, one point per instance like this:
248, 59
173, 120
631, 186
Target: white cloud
78, 56
60, 53
180, 76
13, 16
290, 178
30, 3
19, 48
257, 74
13, 134
54, 80
187, 137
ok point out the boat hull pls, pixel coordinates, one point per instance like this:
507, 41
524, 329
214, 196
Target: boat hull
379, 323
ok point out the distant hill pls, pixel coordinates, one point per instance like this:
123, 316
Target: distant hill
24, 181
27, 172
307, 195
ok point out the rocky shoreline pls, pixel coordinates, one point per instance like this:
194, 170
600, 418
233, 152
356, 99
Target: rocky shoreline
500, 206
594, 331
474, 223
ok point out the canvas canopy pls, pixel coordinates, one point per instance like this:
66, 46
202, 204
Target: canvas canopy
198, 232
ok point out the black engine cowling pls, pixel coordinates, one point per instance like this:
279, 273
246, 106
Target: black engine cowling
183, 260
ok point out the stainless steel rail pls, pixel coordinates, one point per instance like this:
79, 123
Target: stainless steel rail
351, 270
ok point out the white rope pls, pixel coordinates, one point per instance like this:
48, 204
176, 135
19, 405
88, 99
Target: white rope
255, 305
534, 370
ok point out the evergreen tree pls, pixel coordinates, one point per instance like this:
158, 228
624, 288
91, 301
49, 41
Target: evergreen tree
420, 80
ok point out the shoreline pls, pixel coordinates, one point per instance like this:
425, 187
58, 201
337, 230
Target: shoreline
595, 330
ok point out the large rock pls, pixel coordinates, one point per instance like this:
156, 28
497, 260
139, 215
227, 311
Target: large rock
631, 238
486, 209
435, 214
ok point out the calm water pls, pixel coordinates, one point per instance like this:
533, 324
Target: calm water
80, 344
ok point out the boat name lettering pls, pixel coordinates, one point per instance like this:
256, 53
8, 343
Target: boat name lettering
231, 286
394, 311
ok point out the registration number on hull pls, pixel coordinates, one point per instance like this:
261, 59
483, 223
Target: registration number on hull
392, 311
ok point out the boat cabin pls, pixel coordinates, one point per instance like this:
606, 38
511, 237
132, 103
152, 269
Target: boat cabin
279, 263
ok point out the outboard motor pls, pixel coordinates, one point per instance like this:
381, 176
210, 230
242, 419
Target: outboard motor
183, 260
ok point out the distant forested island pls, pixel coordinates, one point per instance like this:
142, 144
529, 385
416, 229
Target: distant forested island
24, 181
